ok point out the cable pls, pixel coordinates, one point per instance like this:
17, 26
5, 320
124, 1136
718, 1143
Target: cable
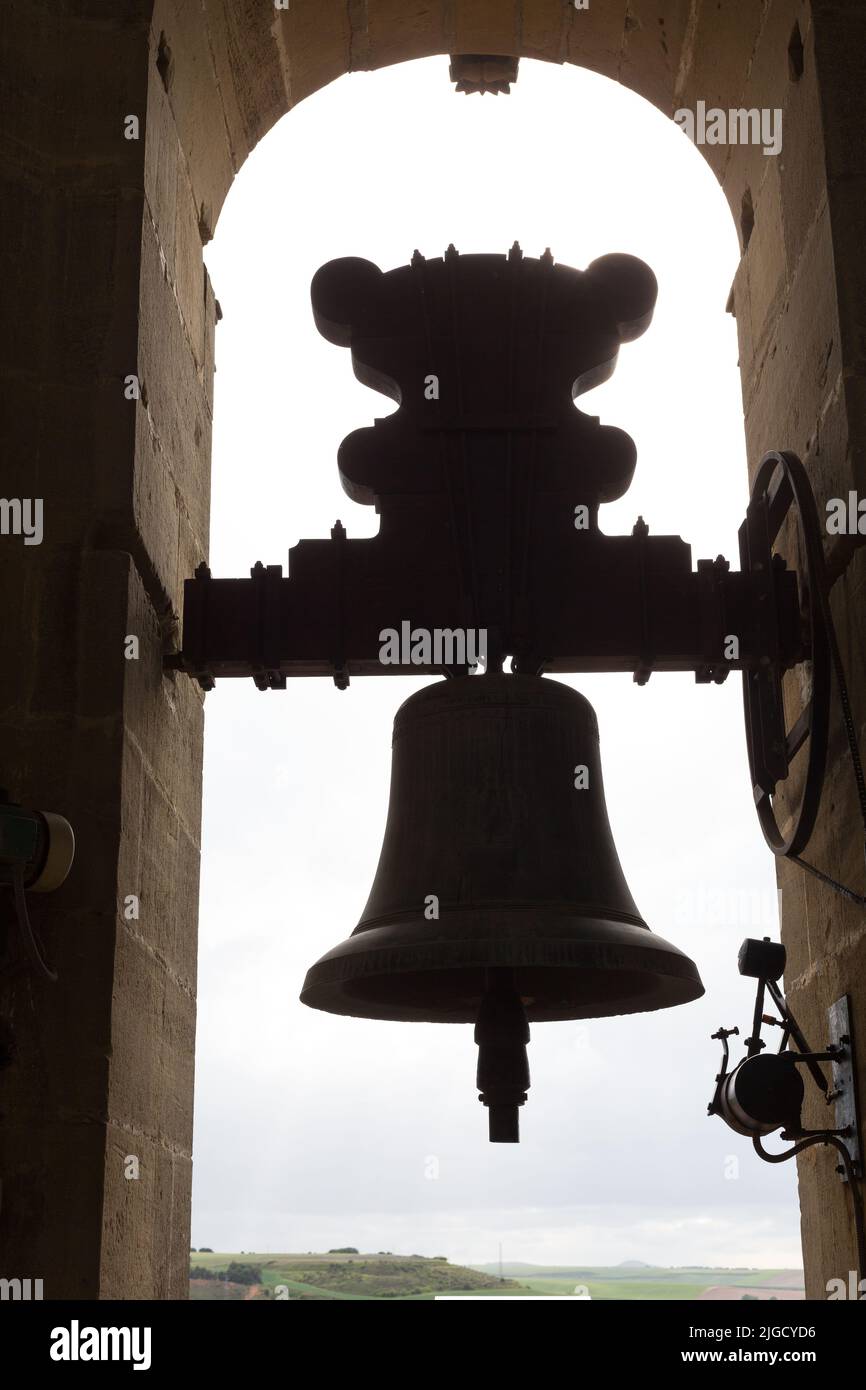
822, 588
856, 1200
830, 882
28, 935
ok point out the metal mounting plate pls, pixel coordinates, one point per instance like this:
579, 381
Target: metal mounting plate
844, 1081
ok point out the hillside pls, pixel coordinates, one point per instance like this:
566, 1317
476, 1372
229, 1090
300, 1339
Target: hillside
315, 1276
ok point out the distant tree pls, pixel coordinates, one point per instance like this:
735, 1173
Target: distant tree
243, 1274
192, 1249
205, 1250
344, 1250
200, 1272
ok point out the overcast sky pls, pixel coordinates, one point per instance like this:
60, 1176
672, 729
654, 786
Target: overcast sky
312, 1130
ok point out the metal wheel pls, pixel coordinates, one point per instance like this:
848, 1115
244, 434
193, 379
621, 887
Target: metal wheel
782, 483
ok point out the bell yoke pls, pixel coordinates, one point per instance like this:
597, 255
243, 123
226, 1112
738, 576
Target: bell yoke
499, 899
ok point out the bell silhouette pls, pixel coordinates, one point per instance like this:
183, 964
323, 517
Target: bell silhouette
499, 899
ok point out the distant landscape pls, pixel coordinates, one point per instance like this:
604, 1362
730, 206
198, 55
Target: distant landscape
352, 1274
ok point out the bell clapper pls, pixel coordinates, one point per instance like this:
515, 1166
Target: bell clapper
502, 1032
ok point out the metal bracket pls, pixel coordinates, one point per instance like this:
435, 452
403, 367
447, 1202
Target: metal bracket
845, 1083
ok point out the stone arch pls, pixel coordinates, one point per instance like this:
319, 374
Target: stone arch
111, 269
230, 73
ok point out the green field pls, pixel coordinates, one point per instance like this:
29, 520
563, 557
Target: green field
413, 1277
634, 1280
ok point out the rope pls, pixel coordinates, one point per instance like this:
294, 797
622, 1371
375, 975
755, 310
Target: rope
850, 730
29, 938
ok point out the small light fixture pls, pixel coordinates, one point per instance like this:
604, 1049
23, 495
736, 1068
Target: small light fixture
36, 853
765, 1092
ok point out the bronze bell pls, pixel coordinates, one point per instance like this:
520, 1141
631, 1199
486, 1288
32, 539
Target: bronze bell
499, 899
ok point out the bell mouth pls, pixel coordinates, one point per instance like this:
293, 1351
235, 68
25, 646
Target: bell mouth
565, 966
